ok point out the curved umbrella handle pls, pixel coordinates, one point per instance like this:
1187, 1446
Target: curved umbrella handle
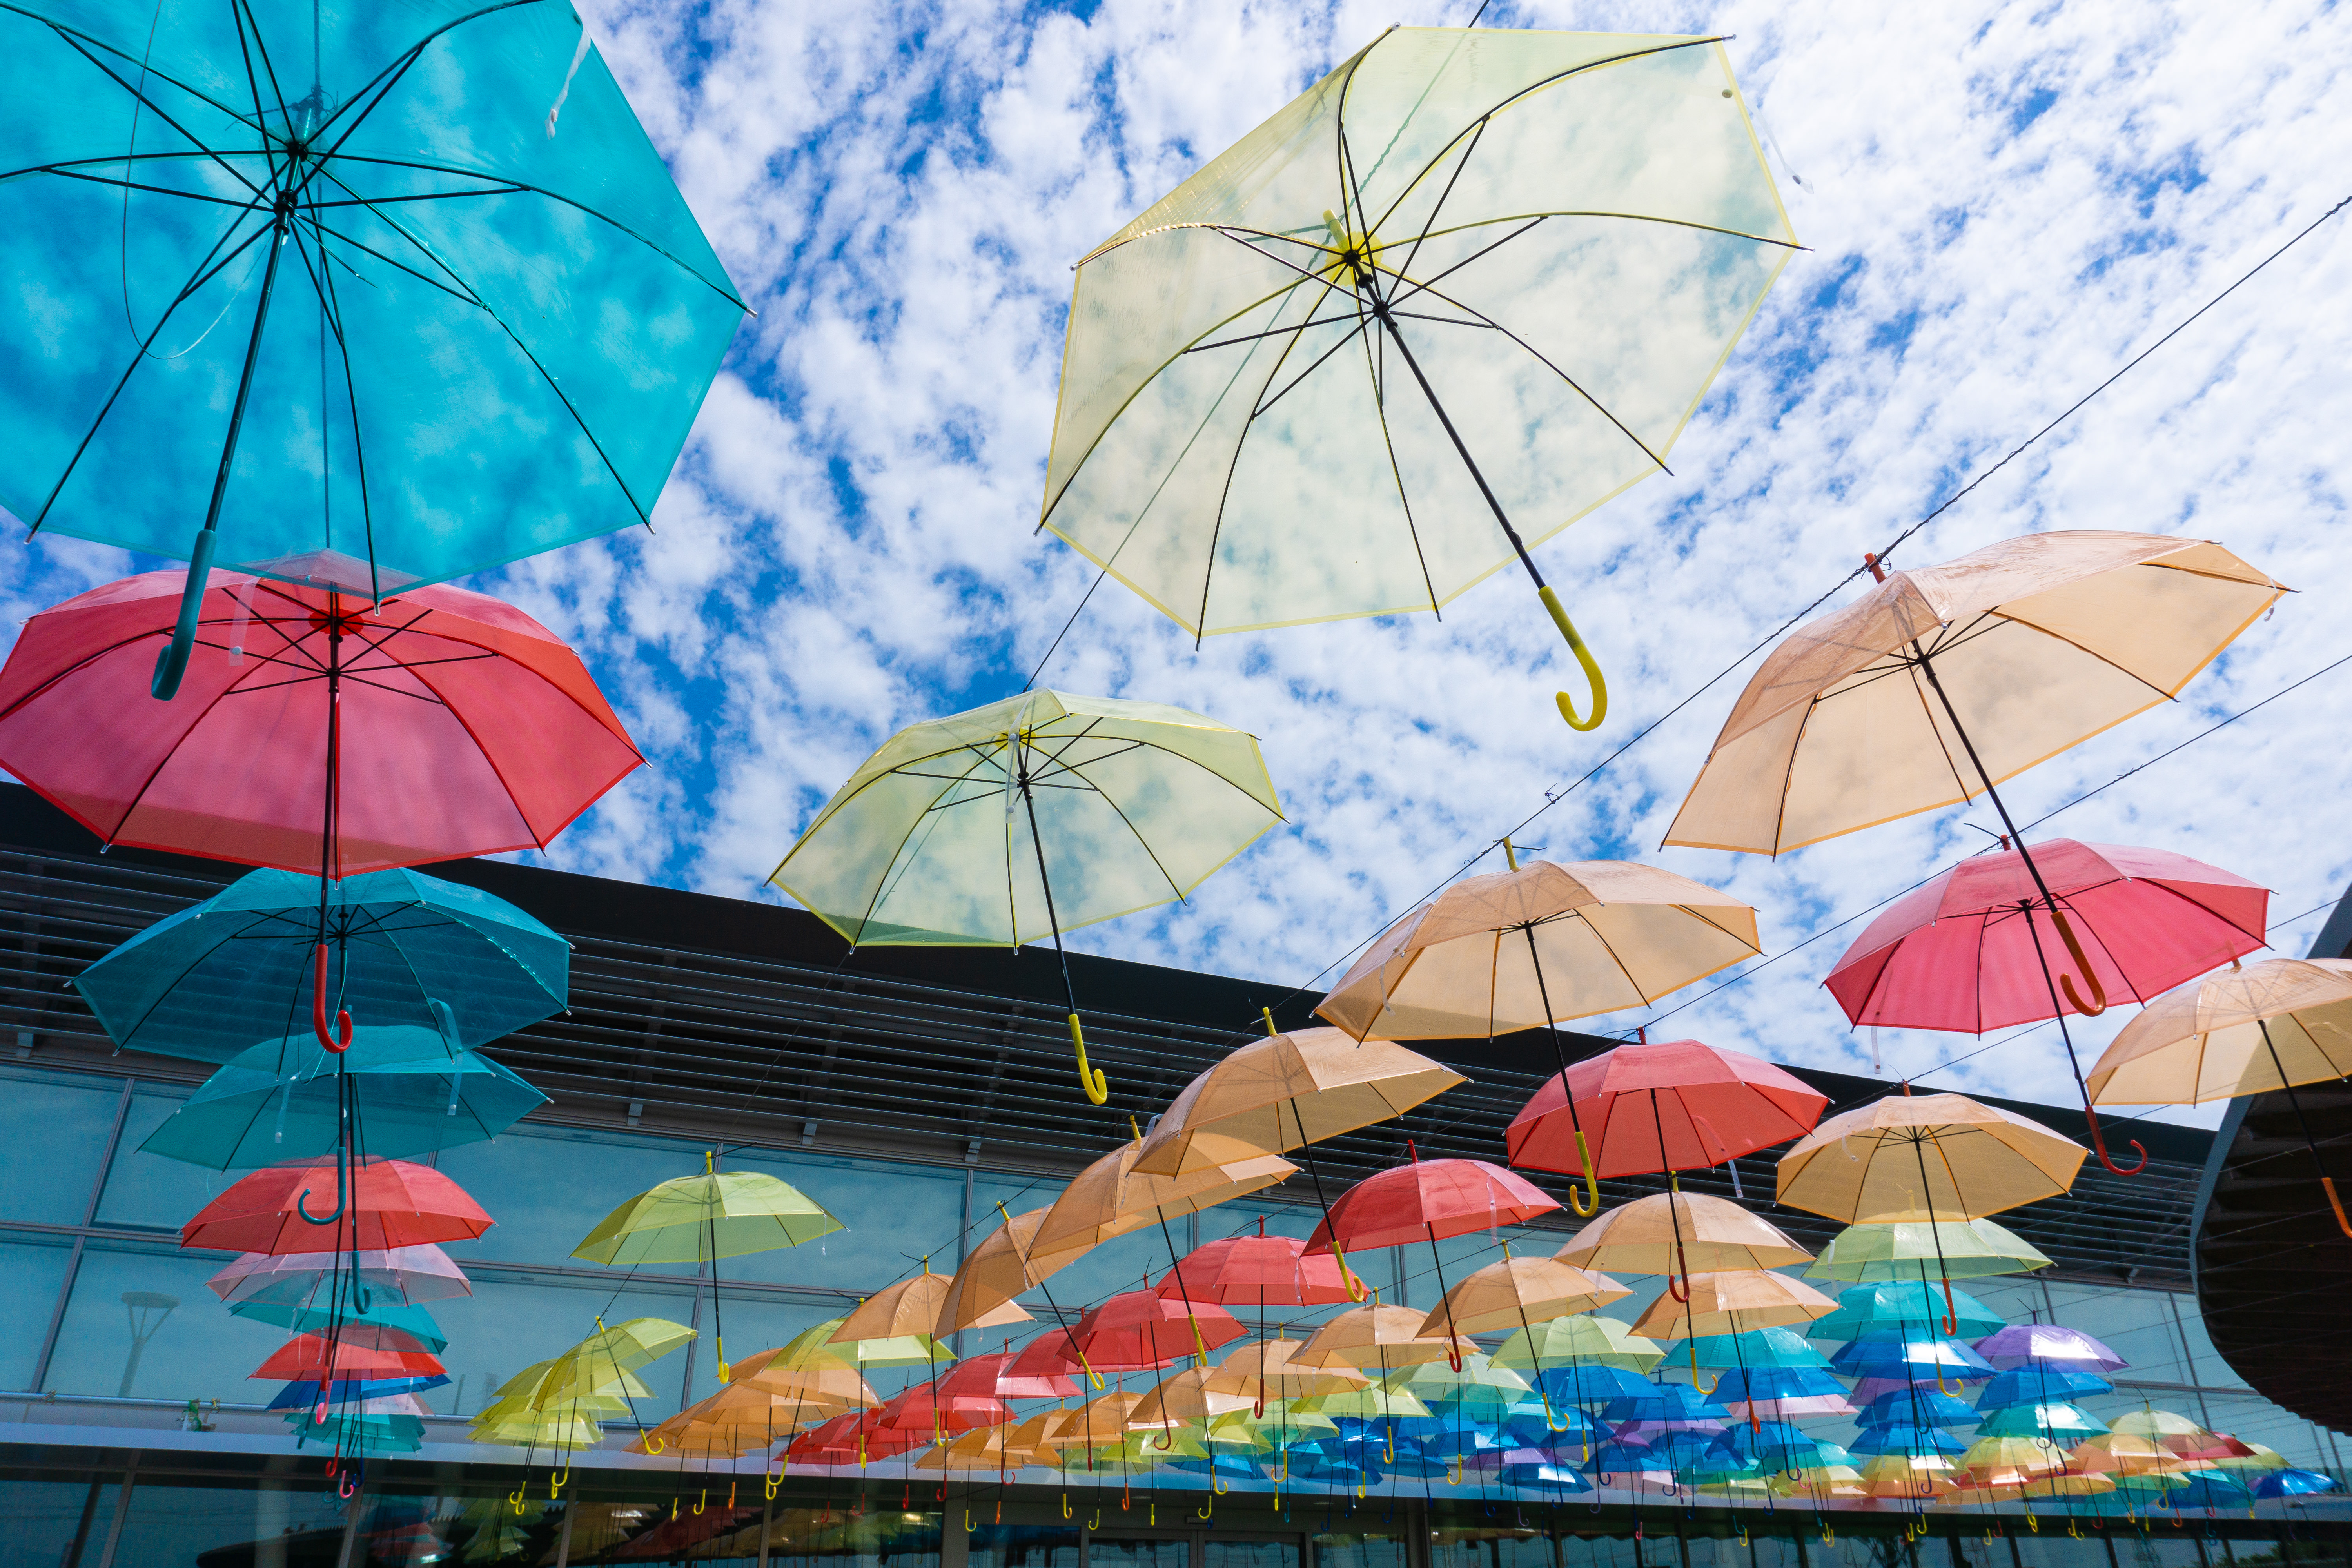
1090, 1079
172, 663
1591, 1193
1584, 658
1682, 1260
1951, 1310
1347, 1280
2099, 1143
2337, 1203
2098, 1002
318, 1007
342, 1199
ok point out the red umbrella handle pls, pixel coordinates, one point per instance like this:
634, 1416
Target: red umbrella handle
1951, 1311
2099, 1143
2098, 1002
318, 1007
2337, 1203
1682, 1261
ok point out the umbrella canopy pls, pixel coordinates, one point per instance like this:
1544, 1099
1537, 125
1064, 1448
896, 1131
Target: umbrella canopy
341, 1314
1967, 952
1138, 1329
1270, 1370
1586, 1342
1758, 1350
1273, 1095
1733, 1302
1764, 1392
1006, 1262
2178, 1435
1927, 1157
280, 1101
1425, 1200
1923, 1406
2037, 643
2247, 1030
1910, 1358
439, 967
1902, 1249
1256, 1270
1518, 1292
895, 1312
1375, 1336
992, 1376
1675, 1105
399, 238
415, 1274
2048, 1345
2036, 1384
316, 1358
1674, 1232
699, 1219
1026, 818
2061, 1423
391, 1204
1108, 1198
1536, 946
1188, 1397
1902, 1306
608, 1359
1918, 1476
2291, 1482
1339, 277
318, 726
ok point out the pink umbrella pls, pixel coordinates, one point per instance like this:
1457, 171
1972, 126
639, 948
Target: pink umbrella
416, 1273
2001, 938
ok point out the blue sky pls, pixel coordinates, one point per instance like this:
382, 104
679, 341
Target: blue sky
2003, 203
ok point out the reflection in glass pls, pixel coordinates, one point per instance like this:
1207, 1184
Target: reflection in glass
1035, 1546
1159, 1551
66, 1119
405, 1528
829, 1538
61, 1520
1360, 1551
35, 1268
238, 1521
1482, 1547
117, 1337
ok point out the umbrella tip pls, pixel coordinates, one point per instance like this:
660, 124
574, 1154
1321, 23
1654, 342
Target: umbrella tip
1877, 572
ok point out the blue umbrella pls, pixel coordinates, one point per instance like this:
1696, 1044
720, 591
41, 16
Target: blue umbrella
408, 949
1540, 1473
1221, 1467
2206, 1488
1591, 1385
1922, 1356
304, 1395
2291, 1483
2039, 1385
282, 1101
1774, 1446
1906, 1437
464, 314
1739, 1388
1922, 1405
1661, 1402
2065, 1425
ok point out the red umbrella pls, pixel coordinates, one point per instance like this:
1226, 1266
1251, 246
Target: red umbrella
1430, 1198
1686, 1105
1977, 948
314, 1358
1138, 1330
990, 1376
832, 1442
1265, 1270
1046, 1356
468, 728
392, 1203
927, 1407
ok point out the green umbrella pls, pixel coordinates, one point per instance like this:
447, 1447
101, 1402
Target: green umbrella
944, 837
354, 295
413, 1091
1924, 1250
1460, 293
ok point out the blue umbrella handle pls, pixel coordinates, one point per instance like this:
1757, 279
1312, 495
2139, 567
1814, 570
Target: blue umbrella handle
342, 1198
172, 663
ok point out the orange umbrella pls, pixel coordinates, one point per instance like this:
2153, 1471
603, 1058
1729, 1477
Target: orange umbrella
980, 1294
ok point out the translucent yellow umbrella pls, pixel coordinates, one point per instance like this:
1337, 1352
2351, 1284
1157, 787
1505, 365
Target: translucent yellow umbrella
1467, 277
2253, 1029
1026, 818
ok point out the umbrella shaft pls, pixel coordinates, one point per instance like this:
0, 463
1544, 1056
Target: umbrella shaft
1380, 309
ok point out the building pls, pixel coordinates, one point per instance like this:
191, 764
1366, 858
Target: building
911, 1091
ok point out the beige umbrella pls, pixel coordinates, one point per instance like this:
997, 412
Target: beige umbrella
1943, 682
1673, 1233
1518, 1292
1268, 1369
1187, 1395
1372, 1335
1109, 1198
1733, 1301
1536, 945
2254, 1029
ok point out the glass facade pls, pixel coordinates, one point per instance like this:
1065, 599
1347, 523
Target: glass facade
109, 1327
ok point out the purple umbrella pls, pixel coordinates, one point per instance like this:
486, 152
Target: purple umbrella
417, 1274
2047, 1344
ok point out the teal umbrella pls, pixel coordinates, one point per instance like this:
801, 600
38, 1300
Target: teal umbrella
412, 1094
1757, 1348
1903, 1305
355, 295
445, 961
378, 1321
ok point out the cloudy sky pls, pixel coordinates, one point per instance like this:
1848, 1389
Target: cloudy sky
2002, 204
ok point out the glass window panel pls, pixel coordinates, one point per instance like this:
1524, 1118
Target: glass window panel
2053, 1548
1217, 1552
1481, 1548
547, 1187
35, 1269
1345, 1550
1118, 1551
409, 1526
1597, 1549
504, 1327
2211, 1369
57, 1519
2135, 1324
141, 1323
674, 1521
276, 1520
54, 1126
1043, 1546
1716, 1550
148, 1190
828, 1538
2155, 1548
1858, 1549
1774, 1546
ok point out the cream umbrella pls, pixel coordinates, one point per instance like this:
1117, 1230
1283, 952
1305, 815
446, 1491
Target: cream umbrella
1372, 1335
1470, 276
1674, 1232
1732, 1302
1519, 1292
1536, 945
943, 837
2255, 1029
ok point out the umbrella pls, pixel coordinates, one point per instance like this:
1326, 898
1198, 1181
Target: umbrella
348, 1313
923, 845
1983, 1161
386, 1203
1675, 1105
1374, 1335
1758, 1349
1900, 1307
1003, 1264
1403, 266
1538, 944
1777, 1391
2291, 1482
1522, 1292
1908, 1357
1269, 1270
2036, 1384
464, 324
447, 965
1923, 1406
1967, 950
1676, 1232
1140, 1330
1732, 1302
1587, 1344
2178, 1435
1269, 1370
2211, 1489
608, 1359
315, 1358
415, 1274
1189, 1395
1964, 1250
282, 1101
1912, 1476
2048, 1345
701, 1219
1434, 1199
2260, 1027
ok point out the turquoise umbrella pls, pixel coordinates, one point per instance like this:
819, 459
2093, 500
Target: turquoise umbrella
237, 971
379, 1322
360, 295
1757, 1348
413, 1094
1903, 1305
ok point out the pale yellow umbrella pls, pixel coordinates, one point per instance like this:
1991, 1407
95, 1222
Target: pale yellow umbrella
1465, 289
1945, 681
1587, 1337
1110, 1198
1675, 1232
1929, 1157
2254, 1029
1027, 818
1270, 1370
1914, 1475
1519, 1292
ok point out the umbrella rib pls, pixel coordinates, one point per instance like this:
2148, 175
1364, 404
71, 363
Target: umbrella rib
463, 295
1267, 405
75, 41
504, 188
882, 885
1276, 331
1442, 197
243, 11
1388, 442
65, 173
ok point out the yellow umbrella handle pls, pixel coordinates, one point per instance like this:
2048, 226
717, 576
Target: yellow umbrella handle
1592, 1194
1347, 1280
1584, 658
1090, 1079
